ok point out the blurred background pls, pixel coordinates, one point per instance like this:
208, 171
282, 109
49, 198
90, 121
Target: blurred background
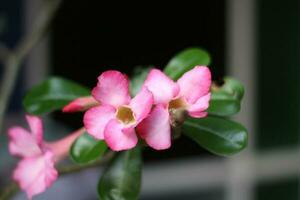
257, 42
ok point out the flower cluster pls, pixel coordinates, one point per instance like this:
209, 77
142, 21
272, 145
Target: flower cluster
114, 116
118, 119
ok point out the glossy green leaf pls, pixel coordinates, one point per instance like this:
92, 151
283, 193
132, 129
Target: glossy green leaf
226, 99
185, 61
86, 149
52, 94
139, 75
122, 179
217, 135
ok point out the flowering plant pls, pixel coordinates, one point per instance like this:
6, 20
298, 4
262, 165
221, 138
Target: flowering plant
122, 117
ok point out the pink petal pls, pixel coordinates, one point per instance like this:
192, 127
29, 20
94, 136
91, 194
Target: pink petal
96, 118
80, 104
162, 87
155, 129
22, 143
141, 104
197, 109
195, 83
36, 127
112, 89
198, 114
118, 137
35, 174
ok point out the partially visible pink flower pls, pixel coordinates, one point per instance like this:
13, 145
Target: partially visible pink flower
80, 104
36, 172
190, 93
117, 116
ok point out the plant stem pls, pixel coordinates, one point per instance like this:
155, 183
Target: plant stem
12, 60
11, 189
75, 168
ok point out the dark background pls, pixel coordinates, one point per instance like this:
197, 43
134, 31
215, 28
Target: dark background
90, 37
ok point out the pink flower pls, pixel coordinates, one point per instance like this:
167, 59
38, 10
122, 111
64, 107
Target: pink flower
117, 116
36, 172
190, 93
80, 104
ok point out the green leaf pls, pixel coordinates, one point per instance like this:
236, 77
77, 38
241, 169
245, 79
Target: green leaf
185, 61
139, 75
122, 179
86, 149
52, 94
226, 100
217, 135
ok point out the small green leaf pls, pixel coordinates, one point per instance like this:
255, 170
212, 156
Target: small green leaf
217, 135
52, 94
226, 100
122, 179
185, 61
139, 75
86, 149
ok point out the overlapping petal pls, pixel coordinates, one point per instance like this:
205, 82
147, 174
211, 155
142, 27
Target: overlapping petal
118, 137
35, 174
96, 119
141, 104
162, 87
155, 129
197, 109
112, 89
195, 83
22, 143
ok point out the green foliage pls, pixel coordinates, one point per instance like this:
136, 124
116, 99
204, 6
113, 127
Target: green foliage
86, 149
122, 179
52, 94
185, 61
226, 99
219, 136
